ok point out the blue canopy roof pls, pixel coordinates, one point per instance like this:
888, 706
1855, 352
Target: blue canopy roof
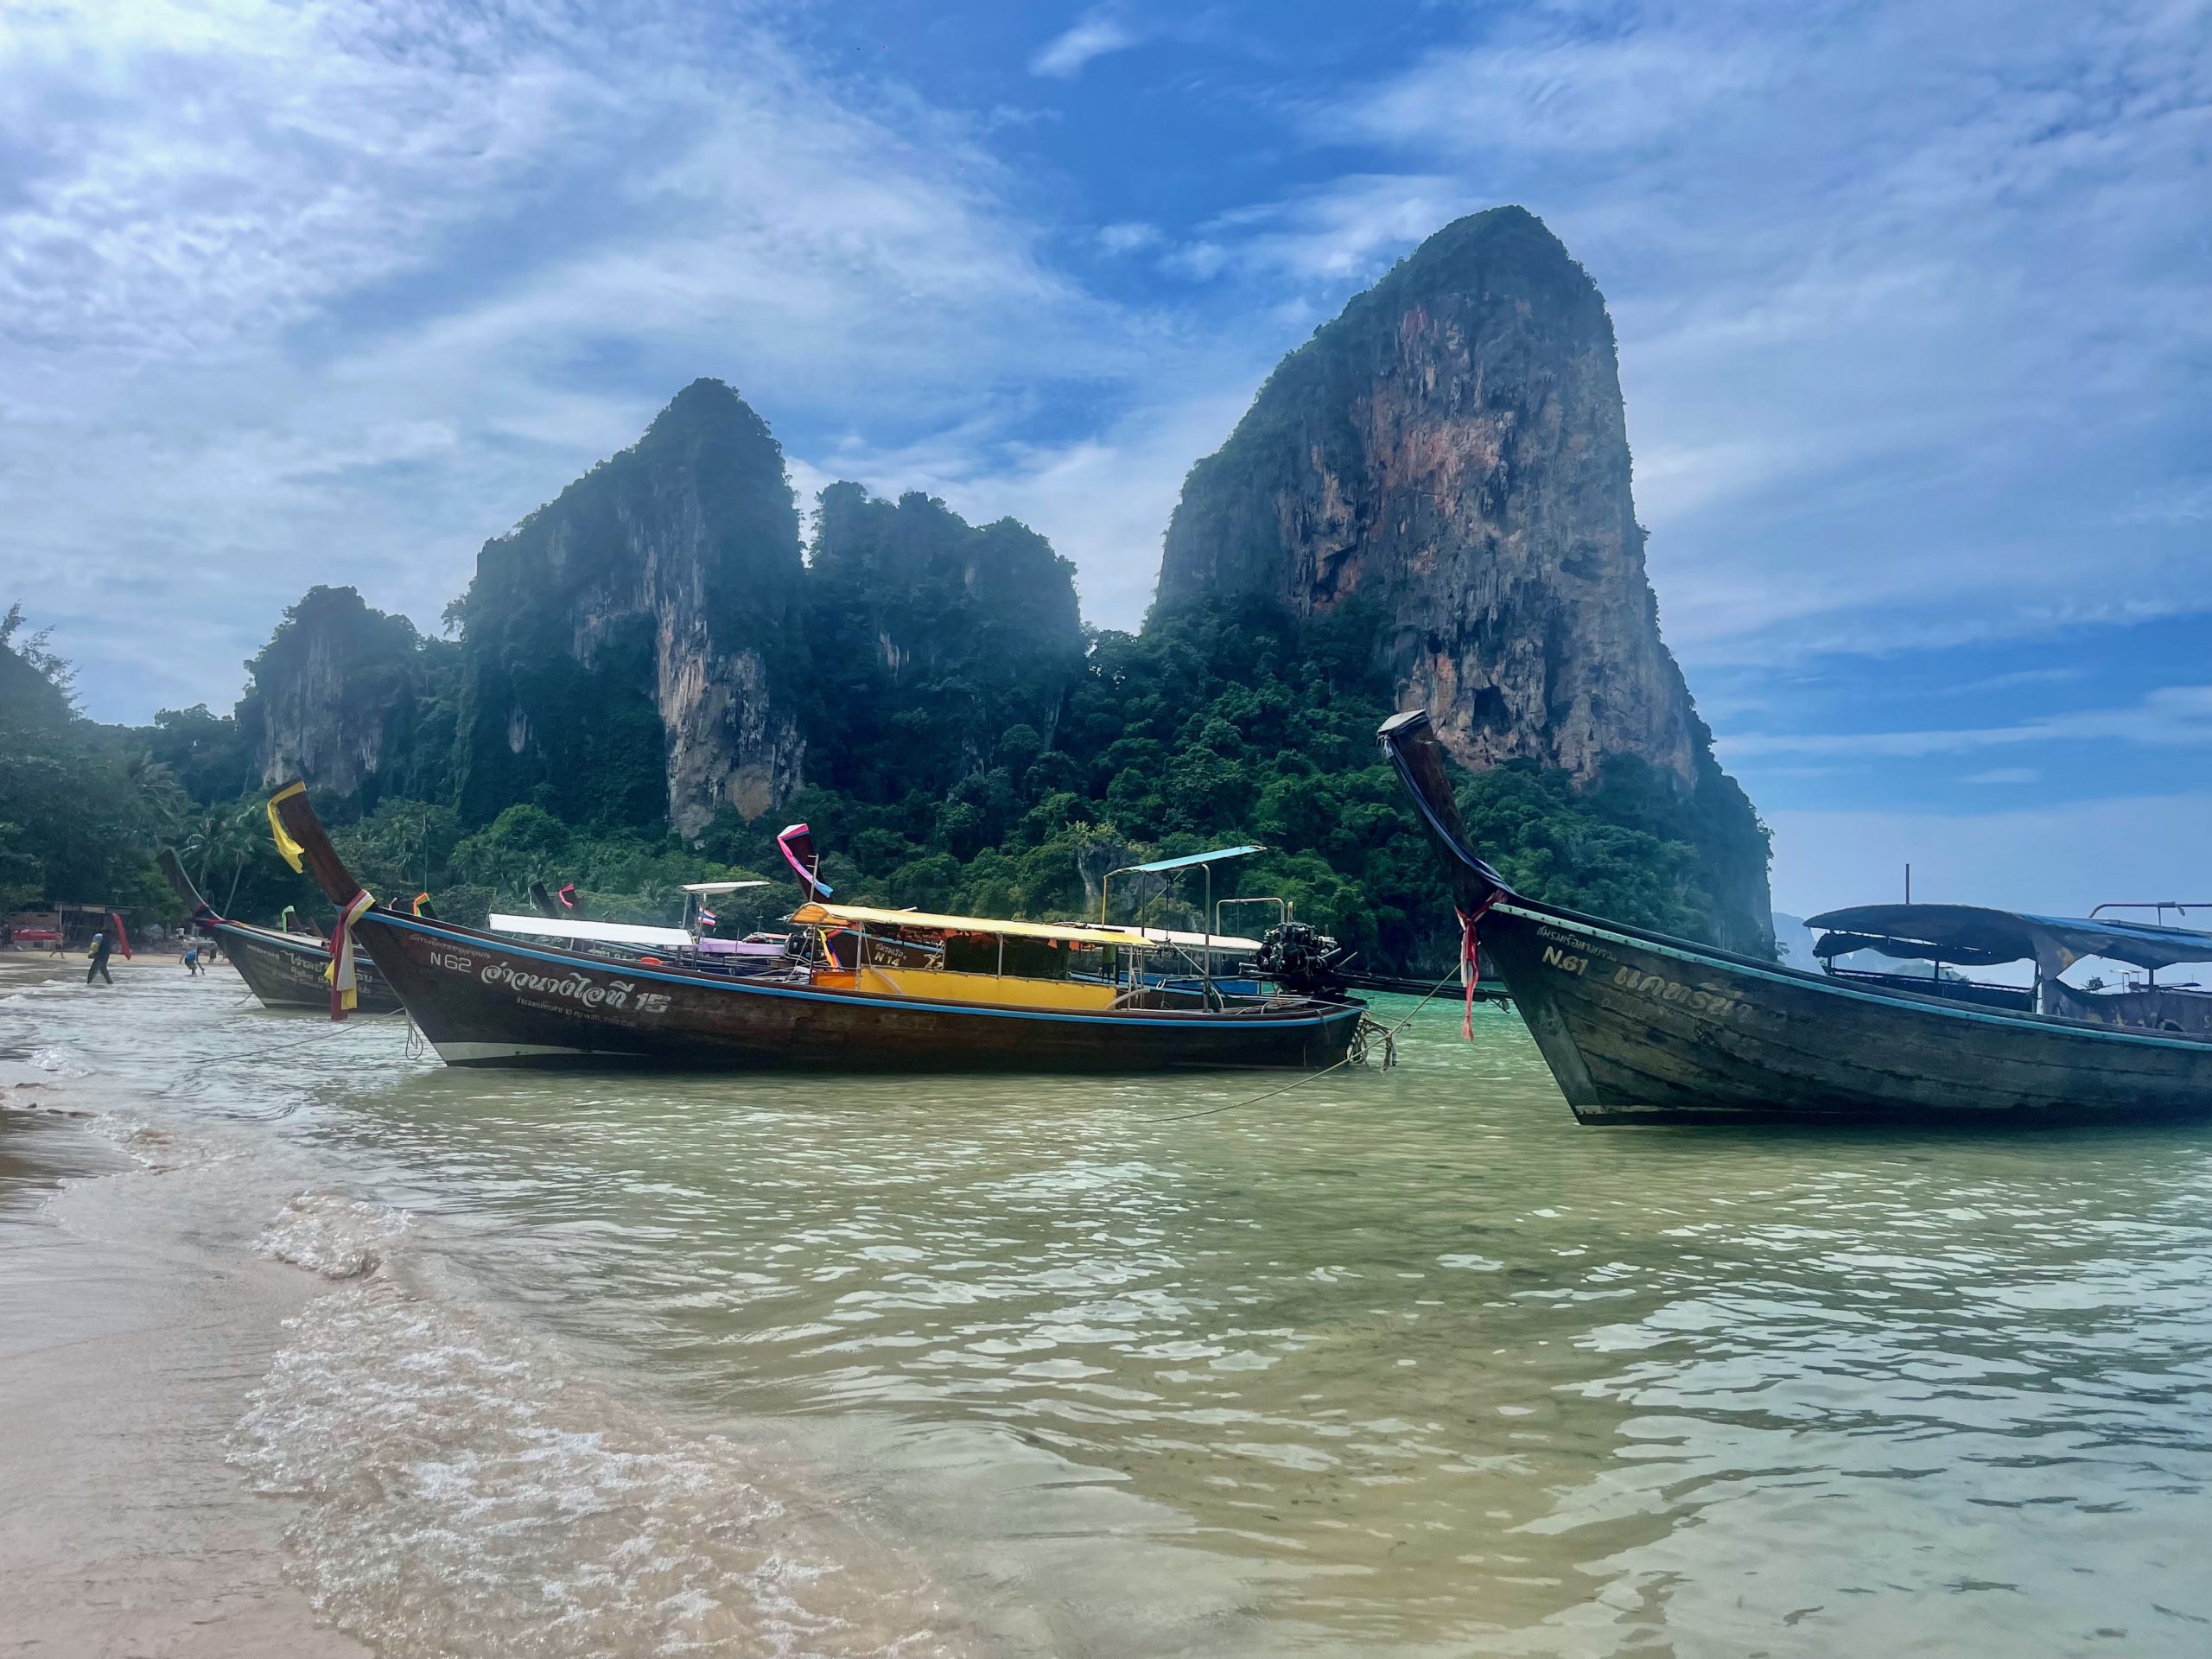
1188, 860
1972, 937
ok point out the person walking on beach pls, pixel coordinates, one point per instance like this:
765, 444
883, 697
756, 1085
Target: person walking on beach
192, 957
102, 949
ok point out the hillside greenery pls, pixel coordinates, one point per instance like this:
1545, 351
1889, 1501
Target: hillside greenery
1212, 726
81, 804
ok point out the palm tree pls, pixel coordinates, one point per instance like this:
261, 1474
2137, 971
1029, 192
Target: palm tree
250, 826
160, 799
218, 839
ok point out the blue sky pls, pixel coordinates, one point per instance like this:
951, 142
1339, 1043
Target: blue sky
1912, 302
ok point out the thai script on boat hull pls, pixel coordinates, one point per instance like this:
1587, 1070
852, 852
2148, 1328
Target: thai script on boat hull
1660, 989
620, 994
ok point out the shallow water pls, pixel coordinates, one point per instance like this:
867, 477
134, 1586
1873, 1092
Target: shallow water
1399, 1362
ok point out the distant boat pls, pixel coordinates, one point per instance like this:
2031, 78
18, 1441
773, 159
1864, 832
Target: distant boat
1636, 1025
866, 989
693, 943
284, 971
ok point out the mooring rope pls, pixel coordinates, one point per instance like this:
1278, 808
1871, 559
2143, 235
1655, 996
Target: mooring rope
1389, 1039
323, 1034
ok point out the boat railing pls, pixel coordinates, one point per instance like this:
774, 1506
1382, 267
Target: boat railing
2021, 998
2160, 906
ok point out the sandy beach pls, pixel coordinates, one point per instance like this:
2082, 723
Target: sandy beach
128, 1347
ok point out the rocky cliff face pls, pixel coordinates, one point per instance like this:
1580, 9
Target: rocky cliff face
1452, 453
332, 693
933, 639
628, 648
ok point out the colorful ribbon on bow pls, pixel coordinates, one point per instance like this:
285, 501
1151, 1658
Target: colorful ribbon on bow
345, 976
1470, 962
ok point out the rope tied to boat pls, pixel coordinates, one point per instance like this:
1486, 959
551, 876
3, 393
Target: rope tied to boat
1471, 961
1356, 1054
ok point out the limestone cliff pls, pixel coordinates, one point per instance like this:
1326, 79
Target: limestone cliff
1451, 451
932, 640
333, 693
628, 647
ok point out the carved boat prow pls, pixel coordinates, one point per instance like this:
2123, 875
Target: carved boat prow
282, 971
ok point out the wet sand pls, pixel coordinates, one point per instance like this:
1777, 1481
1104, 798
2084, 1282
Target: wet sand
128, 1349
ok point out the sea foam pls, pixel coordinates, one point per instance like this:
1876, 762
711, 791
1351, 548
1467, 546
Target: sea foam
464, 1491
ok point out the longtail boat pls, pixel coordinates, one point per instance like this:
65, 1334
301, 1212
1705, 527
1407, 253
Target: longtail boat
284, 971
1636, 1025
866, 989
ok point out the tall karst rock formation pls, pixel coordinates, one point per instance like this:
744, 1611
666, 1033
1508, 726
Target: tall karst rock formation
334, 694
933, 640
1452, 451
631, 648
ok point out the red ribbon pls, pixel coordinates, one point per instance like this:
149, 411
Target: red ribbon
1470, 962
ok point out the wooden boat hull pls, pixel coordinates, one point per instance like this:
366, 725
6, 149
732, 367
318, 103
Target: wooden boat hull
482, 999
1638, 1026
285, 971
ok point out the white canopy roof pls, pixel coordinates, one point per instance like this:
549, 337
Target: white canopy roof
721, 887
549, 927
1199, 941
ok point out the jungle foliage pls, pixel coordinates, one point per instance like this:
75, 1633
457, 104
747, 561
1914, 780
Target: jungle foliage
81, 805
1213, 725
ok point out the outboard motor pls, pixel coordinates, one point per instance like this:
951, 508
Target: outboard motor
1299, 957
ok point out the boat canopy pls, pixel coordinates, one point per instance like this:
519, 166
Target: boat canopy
1189, 861
722, 886
1067, 933
1971, 936
561, 927
1187, 941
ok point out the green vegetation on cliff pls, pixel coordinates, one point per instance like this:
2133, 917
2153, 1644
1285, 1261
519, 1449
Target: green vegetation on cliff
80, 805
652, 643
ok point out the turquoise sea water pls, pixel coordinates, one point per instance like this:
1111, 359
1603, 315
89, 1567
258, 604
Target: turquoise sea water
1398, 1362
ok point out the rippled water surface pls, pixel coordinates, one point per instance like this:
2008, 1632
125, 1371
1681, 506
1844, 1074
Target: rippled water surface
1399, 1362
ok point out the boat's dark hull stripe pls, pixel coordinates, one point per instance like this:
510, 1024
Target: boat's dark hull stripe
459, 986
1638, 1027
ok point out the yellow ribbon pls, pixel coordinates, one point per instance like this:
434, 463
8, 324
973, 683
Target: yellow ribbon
287, 849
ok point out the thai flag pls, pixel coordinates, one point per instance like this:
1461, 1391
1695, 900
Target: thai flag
706, 918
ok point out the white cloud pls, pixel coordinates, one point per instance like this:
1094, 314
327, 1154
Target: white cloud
1906, 297
1103, 501
1568, 92
319, 294
1127, 236
1094, 35
1337, 234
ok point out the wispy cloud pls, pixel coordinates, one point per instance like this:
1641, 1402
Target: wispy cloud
2172, 716
1095, 33
1332, 235
1561, 92
1127, 236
